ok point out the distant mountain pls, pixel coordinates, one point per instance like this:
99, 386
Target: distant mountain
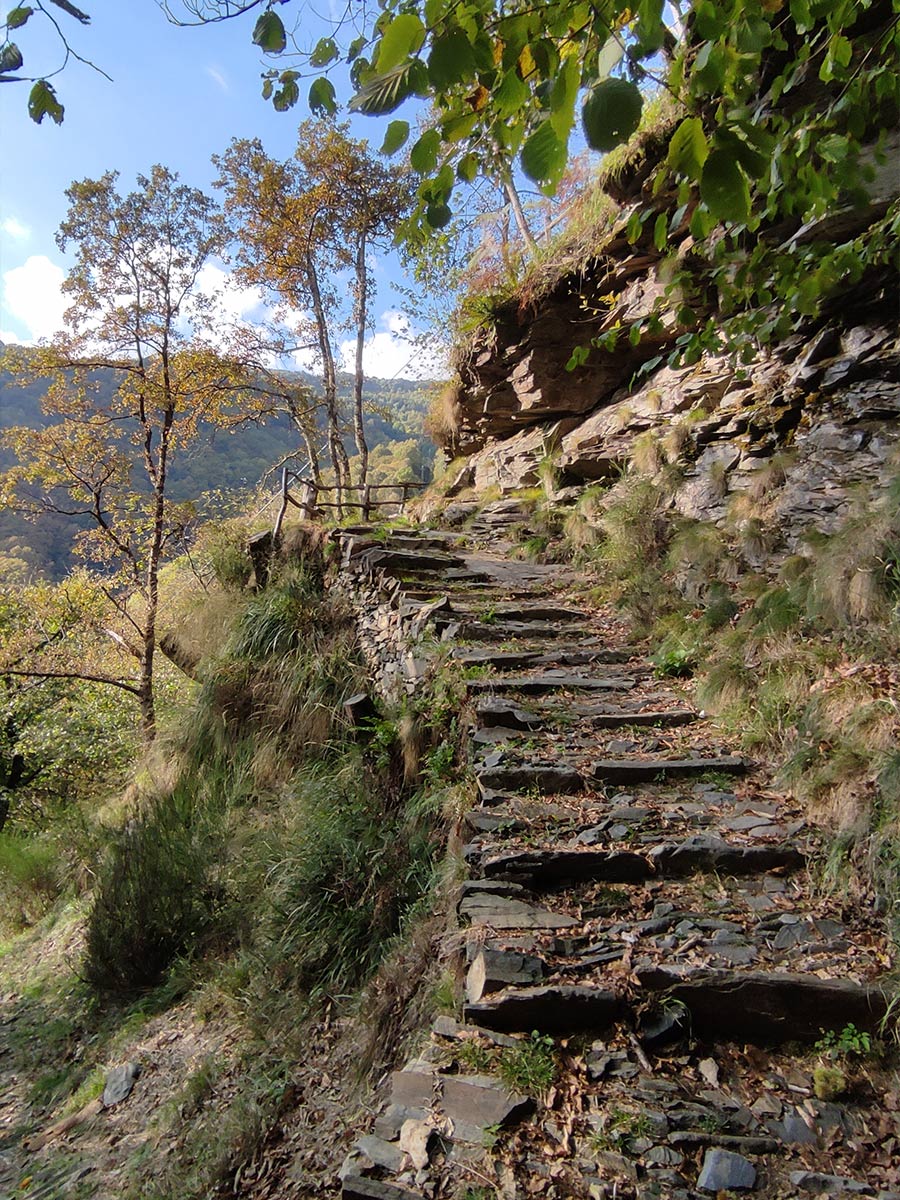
220, 462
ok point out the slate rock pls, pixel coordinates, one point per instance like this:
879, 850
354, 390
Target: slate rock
475, 1103
493, 970
501, 912
724, 1170
563, 1010
828, 1185
357, 1187
381, 1153
119, 1083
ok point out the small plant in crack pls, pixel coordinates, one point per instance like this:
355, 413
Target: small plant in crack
530, 1066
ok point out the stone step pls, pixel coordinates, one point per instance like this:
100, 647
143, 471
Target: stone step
564, 779
509, 659
468, 629
547, 780
538, 870
552, 681
497, 713
525, 614
758, 1007
613, 770
361, 1187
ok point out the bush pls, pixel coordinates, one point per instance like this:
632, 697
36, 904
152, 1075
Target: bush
156, 897
31, 878
343, 877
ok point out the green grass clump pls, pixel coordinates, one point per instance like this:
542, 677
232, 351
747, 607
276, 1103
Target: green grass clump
529, 1066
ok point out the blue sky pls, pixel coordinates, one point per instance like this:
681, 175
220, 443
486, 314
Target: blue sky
177, 96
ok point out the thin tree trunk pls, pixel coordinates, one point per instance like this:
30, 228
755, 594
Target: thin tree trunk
329, 382
145, 683
518, 212
362, 304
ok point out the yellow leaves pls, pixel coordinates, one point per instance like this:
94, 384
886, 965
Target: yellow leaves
526, 62
478, 99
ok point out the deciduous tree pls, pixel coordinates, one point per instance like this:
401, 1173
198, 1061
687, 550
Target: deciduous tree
137, 313
302, 227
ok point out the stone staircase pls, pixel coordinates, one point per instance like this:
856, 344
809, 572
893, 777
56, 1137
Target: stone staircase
641, 894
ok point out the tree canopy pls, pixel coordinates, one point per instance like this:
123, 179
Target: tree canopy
104, 456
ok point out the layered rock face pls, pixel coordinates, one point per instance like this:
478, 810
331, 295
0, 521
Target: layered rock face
824, 410
823, 405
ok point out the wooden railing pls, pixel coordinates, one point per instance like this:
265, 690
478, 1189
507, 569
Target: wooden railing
353, 496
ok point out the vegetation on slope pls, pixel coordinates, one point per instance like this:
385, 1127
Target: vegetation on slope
263, 863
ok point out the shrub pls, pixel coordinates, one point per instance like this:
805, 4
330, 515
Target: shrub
156, 897
31, 877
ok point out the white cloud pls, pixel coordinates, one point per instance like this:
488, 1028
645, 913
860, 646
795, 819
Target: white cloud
238, 303
218, 77
32, 295
15, 229
390, 353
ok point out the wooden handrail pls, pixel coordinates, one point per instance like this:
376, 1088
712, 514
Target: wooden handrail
309, 502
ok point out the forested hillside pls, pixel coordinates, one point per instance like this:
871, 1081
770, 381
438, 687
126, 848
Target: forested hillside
224, 468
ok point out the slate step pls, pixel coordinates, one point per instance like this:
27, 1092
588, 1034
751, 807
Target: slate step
723, 1005
613, 770
468, 629
527, 613
538, 870
509, 659
566, 780
360, 1187
494, 712
551, 681
765, 1007
559, 1010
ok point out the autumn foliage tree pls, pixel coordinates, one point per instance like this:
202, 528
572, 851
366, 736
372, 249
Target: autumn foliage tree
132, 378
302, 229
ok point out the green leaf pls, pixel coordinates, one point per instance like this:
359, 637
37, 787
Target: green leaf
467, 168
73, 12
456, 128
688, 149
18, 16
423, 156
384, 93
660, 231
438, 215
403, 37
609, 57
724, 187
452, 60
395, 137
753, 35
834, 148
10, 58
564, 95
753, 162
326, 51
287, 95
322, 97
355, 49
635, 227
544, 156
268, 33
510, 95
579, 356
612, 114
42, 102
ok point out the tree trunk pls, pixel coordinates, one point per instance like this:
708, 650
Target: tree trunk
362, 304
329, 383
518, 212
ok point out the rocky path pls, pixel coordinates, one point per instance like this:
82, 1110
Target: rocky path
641, 894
